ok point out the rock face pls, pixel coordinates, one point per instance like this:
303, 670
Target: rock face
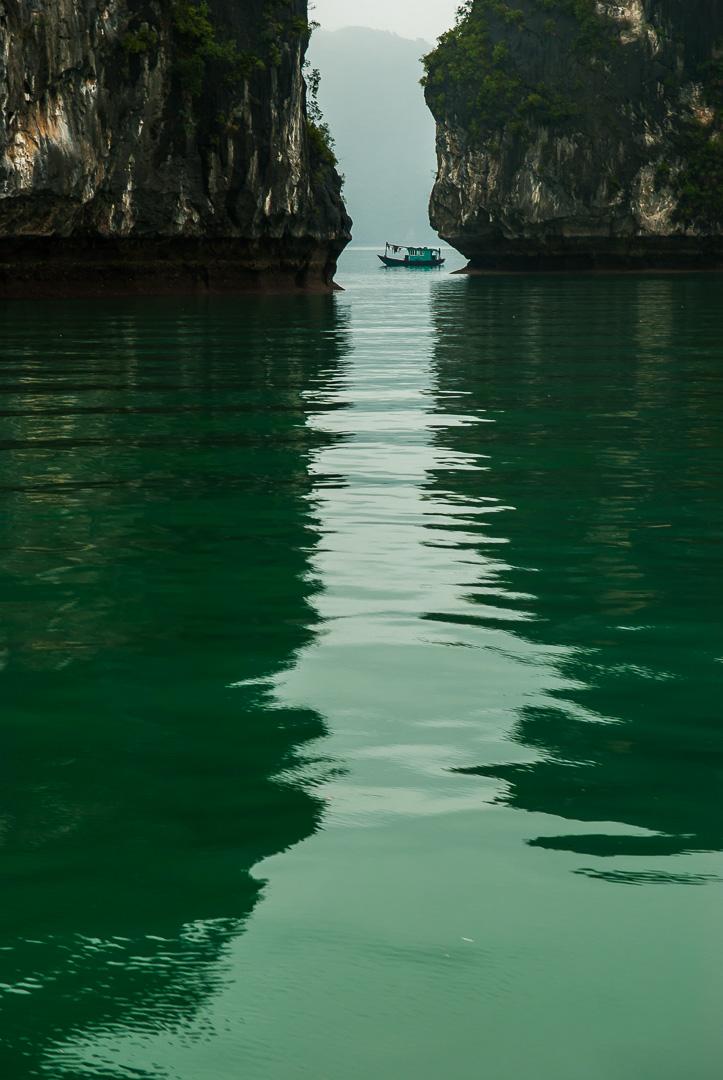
580, 134
161, 145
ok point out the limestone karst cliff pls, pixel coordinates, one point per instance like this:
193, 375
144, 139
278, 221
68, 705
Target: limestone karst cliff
580, 133
161, 144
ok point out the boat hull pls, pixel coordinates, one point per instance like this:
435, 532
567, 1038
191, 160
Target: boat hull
416, 265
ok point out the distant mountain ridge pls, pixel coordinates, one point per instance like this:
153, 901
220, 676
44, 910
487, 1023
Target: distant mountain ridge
385, 136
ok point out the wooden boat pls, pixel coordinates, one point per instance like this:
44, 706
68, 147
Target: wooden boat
400, 255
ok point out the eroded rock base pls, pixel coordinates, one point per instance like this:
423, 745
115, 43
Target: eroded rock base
638, 255
56, 267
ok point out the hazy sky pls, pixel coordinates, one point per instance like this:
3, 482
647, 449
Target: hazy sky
410, 18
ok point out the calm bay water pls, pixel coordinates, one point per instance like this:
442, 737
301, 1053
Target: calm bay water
361, 682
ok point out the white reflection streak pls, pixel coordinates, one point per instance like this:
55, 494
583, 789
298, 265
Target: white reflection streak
399, 560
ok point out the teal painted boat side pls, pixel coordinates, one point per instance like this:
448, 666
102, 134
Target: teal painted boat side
414, 265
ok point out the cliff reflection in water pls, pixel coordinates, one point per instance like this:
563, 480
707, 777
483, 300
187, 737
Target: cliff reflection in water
606, 399
155, 578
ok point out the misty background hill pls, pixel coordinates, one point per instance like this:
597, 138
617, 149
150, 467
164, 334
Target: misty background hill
384, 133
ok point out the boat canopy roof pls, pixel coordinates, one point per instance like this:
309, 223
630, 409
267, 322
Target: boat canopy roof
414, 250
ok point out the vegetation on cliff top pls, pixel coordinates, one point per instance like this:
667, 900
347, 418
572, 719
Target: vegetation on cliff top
200, 50
318, 132
202, 56
474, 74
141, 40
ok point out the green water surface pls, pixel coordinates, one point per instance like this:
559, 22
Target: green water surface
360, 682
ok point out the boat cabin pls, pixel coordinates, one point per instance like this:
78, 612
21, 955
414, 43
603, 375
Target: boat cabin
422, 254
